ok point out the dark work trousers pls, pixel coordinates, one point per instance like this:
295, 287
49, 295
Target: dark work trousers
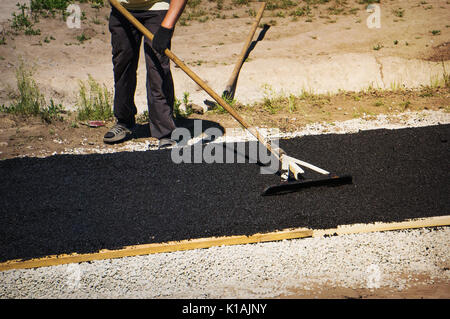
126, 42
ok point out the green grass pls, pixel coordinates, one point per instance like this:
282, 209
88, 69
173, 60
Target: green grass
81, 38
299, 12
281, 9
142, 117
426, 91
336, 10
49, 5
292, 106
353, 11
179, 112
52, 112
274, 103
94, 101
97, 4
218, 109
271, 101
187, 104
219, 4
193, 3
48, 39
280, 4
240, 2
31, 31
271, 105
28, 15
378, 47
399, 12
251, 12
405, 105
96, 20
379, 103
29, 101
317, 100
22, 21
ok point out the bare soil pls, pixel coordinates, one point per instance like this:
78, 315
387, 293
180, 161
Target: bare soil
422, 290
328, 49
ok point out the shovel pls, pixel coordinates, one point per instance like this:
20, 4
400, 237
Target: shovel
230, 87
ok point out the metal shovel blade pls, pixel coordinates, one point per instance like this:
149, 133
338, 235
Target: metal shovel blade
289, 187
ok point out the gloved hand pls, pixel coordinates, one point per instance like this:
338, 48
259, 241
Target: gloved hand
161, 39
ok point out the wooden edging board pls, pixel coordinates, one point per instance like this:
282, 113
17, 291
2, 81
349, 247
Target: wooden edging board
295, 233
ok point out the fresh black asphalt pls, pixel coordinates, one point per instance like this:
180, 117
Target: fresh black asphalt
84, 203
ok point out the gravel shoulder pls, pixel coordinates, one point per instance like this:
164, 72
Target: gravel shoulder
395, 264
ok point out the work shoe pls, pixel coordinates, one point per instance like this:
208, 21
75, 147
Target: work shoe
166, 142
117, 133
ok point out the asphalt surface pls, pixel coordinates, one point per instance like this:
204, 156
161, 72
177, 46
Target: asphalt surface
84, 203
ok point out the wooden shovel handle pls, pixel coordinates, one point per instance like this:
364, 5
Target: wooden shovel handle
231, 84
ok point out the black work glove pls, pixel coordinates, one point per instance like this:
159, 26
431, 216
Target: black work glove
161, 39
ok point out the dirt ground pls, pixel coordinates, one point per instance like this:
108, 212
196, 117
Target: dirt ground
437, 290
329, 49
413, 35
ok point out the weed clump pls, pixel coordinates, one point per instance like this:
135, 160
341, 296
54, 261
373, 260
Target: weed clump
94, 101
28, 15
23, 21
180, 111
30, 101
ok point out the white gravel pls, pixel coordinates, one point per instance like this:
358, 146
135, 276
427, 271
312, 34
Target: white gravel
391, 260
393, 121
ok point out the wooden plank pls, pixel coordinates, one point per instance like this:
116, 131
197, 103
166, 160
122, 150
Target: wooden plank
295, 233
147, 249
377, 227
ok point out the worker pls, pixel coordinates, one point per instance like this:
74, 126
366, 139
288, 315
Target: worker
159, 17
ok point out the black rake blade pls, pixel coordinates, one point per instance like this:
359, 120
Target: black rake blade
289, 187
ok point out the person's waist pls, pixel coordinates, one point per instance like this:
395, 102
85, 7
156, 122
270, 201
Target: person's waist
145, 5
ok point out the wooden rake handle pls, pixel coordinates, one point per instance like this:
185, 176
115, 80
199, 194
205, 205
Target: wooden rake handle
196, 78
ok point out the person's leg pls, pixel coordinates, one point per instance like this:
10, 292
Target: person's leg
160, 88
125, 42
